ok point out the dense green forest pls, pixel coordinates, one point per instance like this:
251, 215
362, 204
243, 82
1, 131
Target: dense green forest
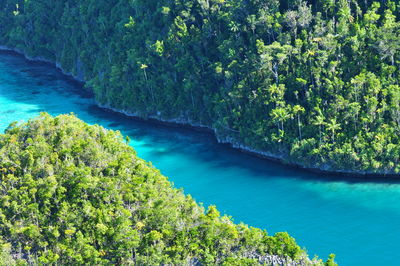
314, 82
73, 194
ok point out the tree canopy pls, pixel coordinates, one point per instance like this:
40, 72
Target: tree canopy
71, 193
314, 82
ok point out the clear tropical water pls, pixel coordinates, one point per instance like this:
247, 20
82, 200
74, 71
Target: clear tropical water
357, 220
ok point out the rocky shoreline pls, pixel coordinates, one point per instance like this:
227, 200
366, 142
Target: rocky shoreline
179, 122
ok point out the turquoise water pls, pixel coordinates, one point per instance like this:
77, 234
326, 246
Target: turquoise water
359, 221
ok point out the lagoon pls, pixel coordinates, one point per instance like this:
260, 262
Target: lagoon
356, 219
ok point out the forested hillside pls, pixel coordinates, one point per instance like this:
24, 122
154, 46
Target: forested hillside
73, 194
314, 82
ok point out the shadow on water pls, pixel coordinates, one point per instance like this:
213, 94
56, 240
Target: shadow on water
222, 154
41, 76
42, 73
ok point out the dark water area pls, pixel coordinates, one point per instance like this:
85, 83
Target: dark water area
356, 219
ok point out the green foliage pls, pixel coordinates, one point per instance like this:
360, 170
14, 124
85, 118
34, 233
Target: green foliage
272, 75
71, 193
331, 260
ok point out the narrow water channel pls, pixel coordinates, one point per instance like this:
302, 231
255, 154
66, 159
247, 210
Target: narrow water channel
355, 219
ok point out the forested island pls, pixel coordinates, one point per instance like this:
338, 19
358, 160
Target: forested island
73, 194
314, 83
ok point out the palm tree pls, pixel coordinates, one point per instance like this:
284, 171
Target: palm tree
333, 126
297, 110
280, 115
319, 121
144, 67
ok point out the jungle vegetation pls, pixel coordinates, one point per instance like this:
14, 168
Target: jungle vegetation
314, 82
73, 194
